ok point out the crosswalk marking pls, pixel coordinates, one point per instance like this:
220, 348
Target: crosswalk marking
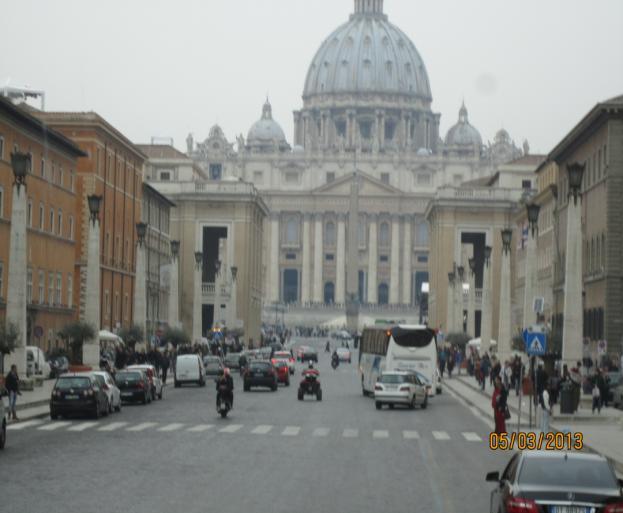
291, 431
82, 426
320, 432
22, 425
472, 437
231, 429
380, 433
261, 430
171, 427
441, 435
142, 426
410, 435
113, 426
350, 433
53, 426
200, 428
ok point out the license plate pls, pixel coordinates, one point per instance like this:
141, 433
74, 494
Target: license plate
258, 374
72, 397
569, 509
391, 387
126, 394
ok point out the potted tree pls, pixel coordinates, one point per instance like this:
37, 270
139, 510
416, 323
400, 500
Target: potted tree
75, 335
8, 342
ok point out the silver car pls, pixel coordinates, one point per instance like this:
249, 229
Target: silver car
400, 387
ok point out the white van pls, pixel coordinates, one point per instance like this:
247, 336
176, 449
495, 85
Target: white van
189, 369
36, 363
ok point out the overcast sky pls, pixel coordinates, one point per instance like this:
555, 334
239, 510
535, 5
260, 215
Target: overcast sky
167, 68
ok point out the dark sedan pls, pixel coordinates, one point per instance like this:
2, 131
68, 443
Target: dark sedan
78, 394
308, 353
260, 374
232, 360
556, 482
213, 368
134, 386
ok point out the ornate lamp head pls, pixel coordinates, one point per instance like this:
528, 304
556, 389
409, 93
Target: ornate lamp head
533, 216
234, 272
488, 250
507, 235
472, 265
198, 259
575, 172
21, 164
451, 277
141, 231
461, 270
94, 201
175, 248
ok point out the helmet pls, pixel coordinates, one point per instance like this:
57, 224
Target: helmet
226, 371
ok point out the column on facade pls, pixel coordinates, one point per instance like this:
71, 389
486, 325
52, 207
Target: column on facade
450, 311
17, 281
372, 259
140, 290
273, 261
394, 277
198, 299
306, 270
340, 276
486, 316
318, 259
468, 253
407, 251
91, 349
174, 308
504, 329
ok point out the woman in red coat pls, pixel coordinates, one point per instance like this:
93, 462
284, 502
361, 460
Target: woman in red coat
498, 403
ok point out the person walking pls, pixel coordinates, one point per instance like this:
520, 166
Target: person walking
546, 409
596, 399
164, 365
498, 403
11, 383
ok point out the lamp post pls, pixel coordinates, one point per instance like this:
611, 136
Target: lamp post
197, 300
504, 328
572, 326
487, 314
458, 291
532, 210
174, 308
233, 306
450, 322
91, 349
18, 262
471, 301
140, 279
217, 294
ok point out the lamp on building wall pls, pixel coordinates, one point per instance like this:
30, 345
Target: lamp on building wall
461, 271
234, 272
21, 164
533, 216
217, 267
507, 235
472, 265
198, 259
451, 277
575, 172
141, 231
488, 250
94, 201
175, 248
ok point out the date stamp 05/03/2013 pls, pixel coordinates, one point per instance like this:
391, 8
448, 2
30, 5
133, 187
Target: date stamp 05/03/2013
532, 441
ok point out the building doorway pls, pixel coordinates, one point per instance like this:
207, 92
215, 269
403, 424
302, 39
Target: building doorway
383, 294
290, 285
329, 293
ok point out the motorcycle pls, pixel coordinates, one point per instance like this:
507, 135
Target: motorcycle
335, 362
310, 385
223, 405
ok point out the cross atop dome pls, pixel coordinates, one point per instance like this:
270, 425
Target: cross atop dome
267, 110
368, 7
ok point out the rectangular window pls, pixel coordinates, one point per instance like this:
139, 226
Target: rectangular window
52, 172
60, 222
330, 177
116, 310
71, 227
290, 256
1, 202
59, 288
30, 162
329, 257
41, 284
422, 259
1, 277
51, 220
60, 175
106, 305
117, 252
41, 216
1, 148
126, 302
385, 178
29, 214
42, 168
384, 258
216, 171
72, 176
29, 286
50, 289
526, 184
165, 176
70, 291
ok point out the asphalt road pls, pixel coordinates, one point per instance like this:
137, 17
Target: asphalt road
273, 454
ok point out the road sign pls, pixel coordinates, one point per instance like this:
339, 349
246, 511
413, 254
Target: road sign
536, 343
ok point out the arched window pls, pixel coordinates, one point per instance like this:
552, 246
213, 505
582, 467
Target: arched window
329, 234
329, 293
384, 234
421, 235
292, 231
383, 294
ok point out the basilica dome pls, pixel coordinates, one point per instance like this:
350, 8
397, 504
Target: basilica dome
266, 132
368, 55
463, 134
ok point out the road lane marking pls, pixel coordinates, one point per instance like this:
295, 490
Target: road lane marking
472, 437
231, 429
171, 427
291, 431
22, 425
113, 426
441, 435
200, 428
320, 432
380, 433
82, 426
350, 433
261, 430
142, 427
410, 435
52, 426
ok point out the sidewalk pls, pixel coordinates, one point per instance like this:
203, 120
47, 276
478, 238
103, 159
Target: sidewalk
33, 403
602, 433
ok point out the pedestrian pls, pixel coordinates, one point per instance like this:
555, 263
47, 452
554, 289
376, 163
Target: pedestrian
546, 409
596, 399
164, 364
11, 383
498, 403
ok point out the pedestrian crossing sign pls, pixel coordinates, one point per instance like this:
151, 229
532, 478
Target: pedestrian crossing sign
536, 343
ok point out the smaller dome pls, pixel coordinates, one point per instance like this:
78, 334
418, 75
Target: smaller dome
298, 149
463, 134
266, 132
502, 136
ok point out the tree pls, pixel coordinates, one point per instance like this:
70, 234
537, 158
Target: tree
9, 333
176, 337
132, 335
75, 335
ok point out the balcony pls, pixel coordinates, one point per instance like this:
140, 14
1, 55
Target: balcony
208, 292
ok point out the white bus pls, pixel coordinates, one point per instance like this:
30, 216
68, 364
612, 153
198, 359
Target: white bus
398, 347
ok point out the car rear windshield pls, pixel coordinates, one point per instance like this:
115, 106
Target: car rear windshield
128, 376
282, 355
73, 382
213, 366
260, 365
392, 379
567, 472
412, 338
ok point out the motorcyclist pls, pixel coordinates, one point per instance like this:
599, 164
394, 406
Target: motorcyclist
224, 387
242, 362
335, 359
327, 347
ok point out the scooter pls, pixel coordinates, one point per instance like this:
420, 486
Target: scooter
335, 363
223, 405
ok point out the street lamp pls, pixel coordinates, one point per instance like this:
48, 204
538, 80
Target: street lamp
175, 248
533, 216
488, 250
472, 265
575, 172
21, 164
451, 277
94, 201
507, 235
217, 267
198, 259
461, 271
234, 272
141, 231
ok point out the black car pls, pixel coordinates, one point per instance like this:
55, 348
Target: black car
556, 482
134, 386
78, 394
232, 360
309, 353
260, 374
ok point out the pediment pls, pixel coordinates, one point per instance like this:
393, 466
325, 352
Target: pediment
370, 186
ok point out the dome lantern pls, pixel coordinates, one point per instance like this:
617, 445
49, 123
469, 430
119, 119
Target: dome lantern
368, 7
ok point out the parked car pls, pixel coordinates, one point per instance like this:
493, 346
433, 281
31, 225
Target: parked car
283, 372
287, 357
260, 373
157, 387
110, 389
189, 369
58, 365
36, 363
232, 360
400, 387
78, 393
553, 481
134, 386
3, 419
613, 380
343, 354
